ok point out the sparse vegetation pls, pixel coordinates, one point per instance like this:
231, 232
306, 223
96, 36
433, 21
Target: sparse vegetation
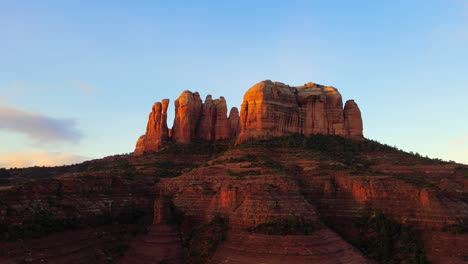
44, 223
287, 226
118, 249
346, 151
203, 241
270, 186
459, 228
176, 216
243, 173
415, 179
463, 169
198, 147
41, 224
388, 241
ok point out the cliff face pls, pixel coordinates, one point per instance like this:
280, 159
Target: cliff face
276, 109
269, 109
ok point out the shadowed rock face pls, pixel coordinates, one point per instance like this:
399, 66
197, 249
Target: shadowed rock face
269, 109
234, 122
275, 109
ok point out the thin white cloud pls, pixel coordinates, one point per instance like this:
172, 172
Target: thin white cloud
38, 158
40, 128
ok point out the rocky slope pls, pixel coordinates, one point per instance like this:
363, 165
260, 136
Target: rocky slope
289, 179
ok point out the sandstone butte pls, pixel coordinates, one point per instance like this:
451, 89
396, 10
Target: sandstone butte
268, 109
298, 199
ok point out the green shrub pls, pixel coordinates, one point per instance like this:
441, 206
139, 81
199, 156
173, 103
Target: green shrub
287, 226
44, 223
463, 169
203, 241
119, 249
243, 173
415, 179
200, 147
41, 224
388, 241
344, 150
459, 228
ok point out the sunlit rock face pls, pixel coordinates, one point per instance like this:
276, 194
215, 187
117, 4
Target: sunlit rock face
188, 110
157, 133
269, 109
194, 120
276, 109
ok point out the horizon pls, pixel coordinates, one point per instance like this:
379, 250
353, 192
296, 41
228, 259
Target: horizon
78, 80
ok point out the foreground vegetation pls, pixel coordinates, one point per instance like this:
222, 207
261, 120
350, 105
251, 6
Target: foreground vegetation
202, 241
382, 238
292, 225
44, 223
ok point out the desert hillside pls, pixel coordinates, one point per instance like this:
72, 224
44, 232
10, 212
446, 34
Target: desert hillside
289, 179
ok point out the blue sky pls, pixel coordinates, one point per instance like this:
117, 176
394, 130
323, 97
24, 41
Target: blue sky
77, 80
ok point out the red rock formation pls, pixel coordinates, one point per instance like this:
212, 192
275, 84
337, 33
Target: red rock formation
156, 129
233, 121
269, 109
221, 130
275, 109
140, 145
207, 121
187, 115
353, 120
193, 120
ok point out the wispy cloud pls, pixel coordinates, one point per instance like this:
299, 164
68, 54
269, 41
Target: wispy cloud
40, 128
39, 158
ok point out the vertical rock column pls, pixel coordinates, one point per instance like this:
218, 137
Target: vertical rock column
221, 124
156, 129
353, 120
234, 122
188, 109
205, 128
